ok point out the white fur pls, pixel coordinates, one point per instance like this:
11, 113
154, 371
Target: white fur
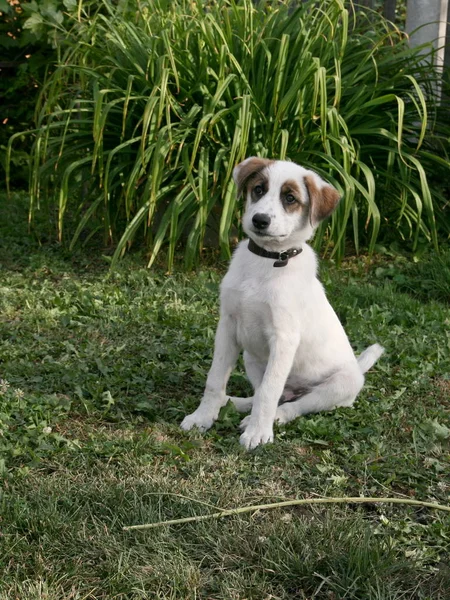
282, 320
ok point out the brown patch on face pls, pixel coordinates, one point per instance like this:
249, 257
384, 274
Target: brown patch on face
291, 196
322, 200
258, 184
248, 171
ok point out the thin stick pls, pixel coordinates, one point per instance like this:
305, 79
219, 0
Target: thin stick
244, 509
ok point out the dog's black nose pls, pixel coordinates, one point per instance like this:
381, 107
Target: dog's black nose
261, 221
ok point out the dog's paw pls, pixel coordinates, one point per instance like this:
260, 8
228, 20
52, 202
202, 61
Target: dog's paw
242, 404
198, 419
254, 436
243, 424
284, 414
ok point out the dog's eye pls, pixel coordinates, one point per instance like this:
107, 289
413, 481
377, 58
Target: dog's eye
258, 190
290, 199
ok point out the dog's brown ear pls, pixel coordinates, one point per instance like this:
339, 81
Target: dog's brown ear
247, 169
323, 199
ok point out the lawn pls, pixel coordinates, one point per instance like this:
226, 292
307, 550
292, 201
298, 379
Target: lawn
98, 368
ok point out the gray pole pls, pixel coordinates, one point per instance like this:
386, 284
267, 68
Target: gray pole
426, 21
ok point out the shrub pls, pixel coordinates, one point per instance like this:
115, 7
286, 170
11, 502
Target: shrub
23, 66
30, 35
153, 105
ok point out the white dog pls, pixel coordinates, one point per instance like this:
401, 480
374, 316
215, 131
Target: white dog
296, 353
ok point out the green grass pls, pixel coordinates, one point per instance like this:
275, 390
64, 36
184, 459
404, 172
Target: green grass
101, 369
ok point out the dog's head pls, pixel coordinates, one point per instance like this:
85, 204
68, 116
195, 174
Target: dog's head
284, 202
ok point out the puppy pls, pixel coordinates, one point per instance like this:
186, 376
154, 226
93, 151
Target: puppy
272, 306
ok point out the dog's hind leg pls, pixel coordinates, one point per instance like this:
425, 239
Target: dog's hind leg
339, 389
245, 404
255, 373
242, 405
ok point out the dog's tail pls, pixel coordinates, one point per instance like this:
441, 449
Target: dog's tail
369, 357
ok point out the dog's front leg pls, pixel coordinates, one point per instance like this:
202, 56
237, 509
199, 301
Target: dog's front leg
259, 424
226, 352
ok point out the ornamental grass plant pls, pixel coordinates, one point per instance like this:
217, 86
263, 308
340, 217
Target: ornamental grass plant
154, 102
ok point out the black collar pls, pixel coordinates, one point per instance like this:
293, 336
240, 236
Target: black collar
282, 257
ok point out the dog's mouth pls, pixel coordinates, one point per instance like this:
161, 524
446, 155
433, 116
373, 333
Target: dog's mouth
268, 235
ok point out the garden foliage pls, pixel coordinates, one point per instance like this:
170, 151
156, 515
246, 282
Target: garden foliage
154, 102
26, 54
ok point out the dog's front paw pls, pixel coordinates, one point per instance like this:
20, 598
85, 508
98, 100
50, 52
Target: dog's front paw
198, 419
255, 435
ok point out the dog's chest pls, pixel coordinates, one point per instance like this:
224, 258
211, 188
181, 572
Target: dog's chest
247, 302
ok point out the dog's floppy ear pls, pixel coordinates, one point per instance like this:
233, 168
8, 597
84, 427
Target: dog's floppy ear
323, 198
247, 169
